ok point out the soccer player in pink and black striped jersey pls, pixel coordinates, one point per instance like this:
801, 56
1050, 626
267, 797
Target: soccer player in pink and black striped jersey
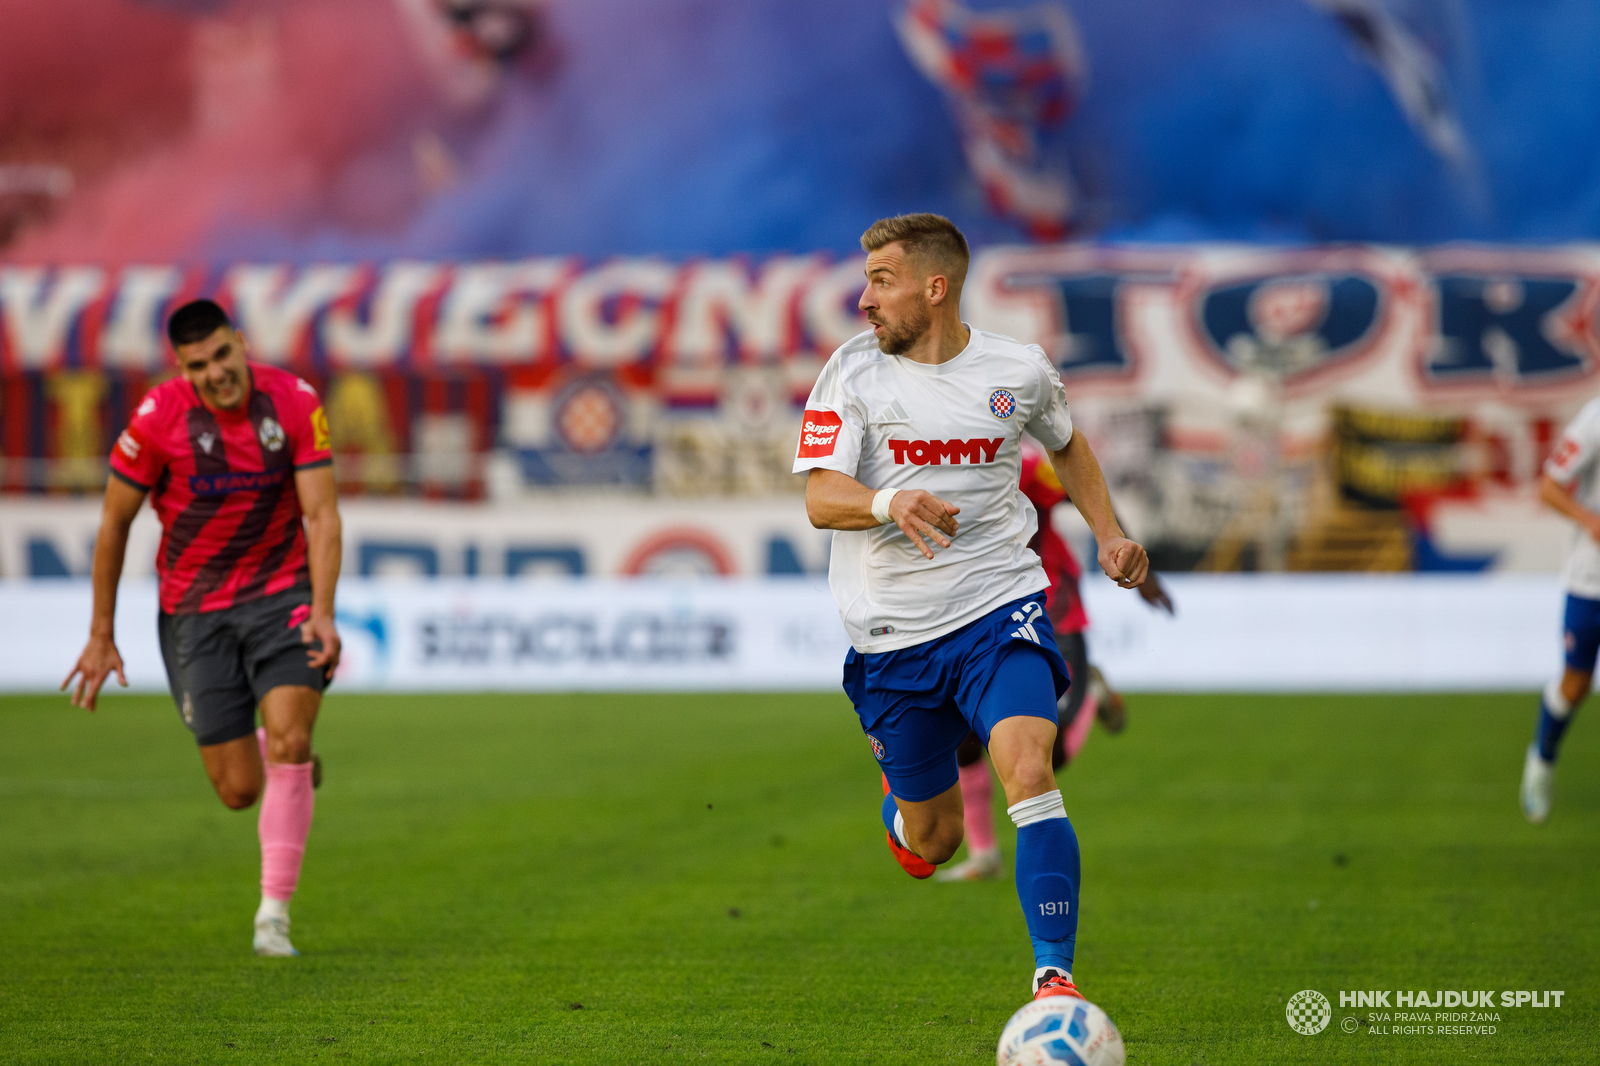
235, 458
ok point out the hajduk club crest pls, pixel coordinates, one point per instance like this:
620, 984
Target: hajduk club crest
1002, 403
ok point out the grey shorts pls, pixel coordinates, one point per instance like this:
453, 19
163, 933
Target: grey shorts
220, 663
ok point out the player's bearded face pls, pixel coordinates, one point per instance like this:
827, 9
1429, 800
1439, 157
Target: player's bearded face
216, 368
896, 300
900, 332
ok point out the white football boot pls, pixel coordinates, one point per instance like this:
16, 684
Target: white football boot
272, 936
977, 866
1537, 778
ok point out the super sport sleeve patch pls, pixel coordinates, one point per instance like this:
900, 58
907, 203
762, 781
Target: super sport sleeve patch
1577, 446
831, 428
1563, 462
819, 434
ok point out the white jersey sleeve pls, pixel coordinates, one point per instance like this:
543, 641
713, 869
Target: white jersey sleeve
834, 424
1051, 424
1575, 464
1575, 452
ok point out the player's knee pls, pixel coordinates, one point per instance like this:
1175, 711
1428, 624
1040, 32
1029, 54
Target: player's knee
237, 798
935, 837
289, 746
1574, 688
944, 836
941, 845
1032, 776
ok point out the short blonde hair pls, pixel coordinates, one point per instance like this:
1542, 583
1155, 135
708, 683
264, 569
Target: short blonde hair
931, 238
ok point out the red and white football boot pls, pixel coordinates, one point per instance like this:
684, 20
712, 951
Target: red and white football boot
1050, 982
909, 861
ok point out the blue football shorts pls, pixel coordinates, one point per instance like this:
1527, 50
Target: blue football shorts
917, 704
1581, 634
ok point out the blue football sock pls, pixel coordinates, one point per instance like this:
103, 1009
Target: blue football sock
890, 809
1555, 714
1548, 737
1048, 873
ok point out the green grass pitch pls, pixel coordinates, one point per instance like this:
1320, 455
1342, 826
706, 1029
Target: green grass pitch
706, 876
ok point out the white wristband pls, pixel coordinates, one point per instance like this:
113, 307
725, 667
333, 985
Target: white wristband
880, 505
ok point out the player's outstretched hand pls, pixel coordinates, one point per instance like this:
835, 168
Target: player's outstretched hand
1124, 562
1153, 593
922, 516
98, 662
325, 658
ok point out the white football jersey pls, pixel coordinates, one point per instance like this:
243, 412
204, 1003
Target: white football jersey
953, 430
1575, 463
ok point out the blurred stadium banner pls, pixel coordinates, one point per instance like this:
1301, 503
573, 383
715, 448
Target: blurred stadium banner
1232, 633
1441, 325
605, 536
1340, 407
620, 536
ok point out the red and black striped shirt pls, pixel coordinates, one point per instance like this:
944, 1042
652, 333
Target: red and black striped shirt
222, 483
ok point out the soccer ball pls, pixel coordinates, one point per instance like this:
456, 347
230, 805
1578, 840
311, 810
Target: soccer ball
1060, 1030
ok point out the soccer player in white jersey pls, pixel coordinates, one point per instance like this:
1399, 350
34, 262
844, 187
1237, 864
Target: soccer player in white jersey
909, 426
1569, 484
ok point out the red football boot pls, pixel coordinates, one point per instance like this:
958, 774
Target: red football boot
910, 862
1054, 984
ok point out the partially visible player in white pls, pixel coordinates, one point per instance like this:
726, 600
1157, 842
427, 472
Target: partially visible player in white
1569, 484
910, 425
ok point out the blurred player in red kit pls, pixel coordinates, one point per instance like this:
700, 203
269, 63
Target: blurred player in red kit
235, 458
1089, 699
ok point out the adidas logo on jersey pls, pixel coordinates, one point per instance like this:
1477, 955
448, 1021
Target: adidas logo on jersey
935, 452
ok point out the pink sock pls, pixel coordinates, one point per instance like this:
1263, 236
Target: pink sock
977, 808
284, 825
1078, 731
